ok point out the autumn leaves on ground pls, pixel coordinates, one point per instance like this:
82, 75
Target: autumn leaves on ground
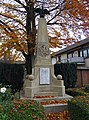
58, 116
55, 116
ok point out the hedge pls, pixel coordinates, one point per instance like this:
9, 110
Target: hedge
76, 92
68, 72
79, 108
11, 74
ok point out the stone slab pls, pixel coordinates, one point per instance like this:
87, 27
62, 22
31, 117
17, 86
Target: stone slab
65, 97
55, 108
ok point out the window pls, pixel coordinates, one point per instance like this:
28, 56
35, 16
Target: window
85, 53
70, 55
75, 54
88, 52
81, 55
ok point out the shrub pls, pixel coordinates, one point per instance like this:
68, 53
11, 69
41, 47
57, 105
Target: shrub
76, 92
17, 109
87, 88
68, 72
26, 110
79, 108
5, 103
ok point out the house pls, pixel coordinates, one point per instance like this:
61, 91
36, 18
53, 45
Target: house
78, 53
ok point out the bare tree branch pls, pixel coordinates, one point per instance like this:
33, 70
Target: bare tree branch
6, 26
18, 1
59, 5
13, 19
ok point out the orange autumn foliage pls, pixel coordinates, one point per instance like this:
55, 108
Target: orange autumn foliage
66, 16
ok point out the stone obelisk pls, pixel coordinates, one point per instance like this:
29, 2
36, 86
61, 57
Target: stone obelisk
43, 53
43, 82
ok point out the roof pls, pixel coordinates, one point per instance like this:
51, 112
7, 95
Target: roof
81, 43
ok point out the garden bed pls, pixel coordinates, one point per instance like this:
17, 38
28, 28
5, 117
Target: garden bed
79, 108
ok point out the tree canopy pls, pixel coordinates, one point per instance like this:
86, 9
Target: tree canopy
68, 19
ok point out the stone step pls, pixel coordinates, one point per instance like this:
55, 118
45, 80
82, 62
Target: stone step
65, 97
46, 94
55, 108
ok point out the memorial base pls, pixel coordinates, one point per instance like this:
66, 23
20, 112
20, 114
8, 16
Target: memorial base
31, 92
51, 87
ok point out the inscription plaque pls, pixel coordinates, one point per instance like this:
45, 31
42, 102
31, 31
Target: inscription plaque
44, 75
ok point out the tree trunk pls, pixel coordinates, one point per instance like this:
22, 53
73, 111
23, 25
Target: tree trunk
29, 64
31, 35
